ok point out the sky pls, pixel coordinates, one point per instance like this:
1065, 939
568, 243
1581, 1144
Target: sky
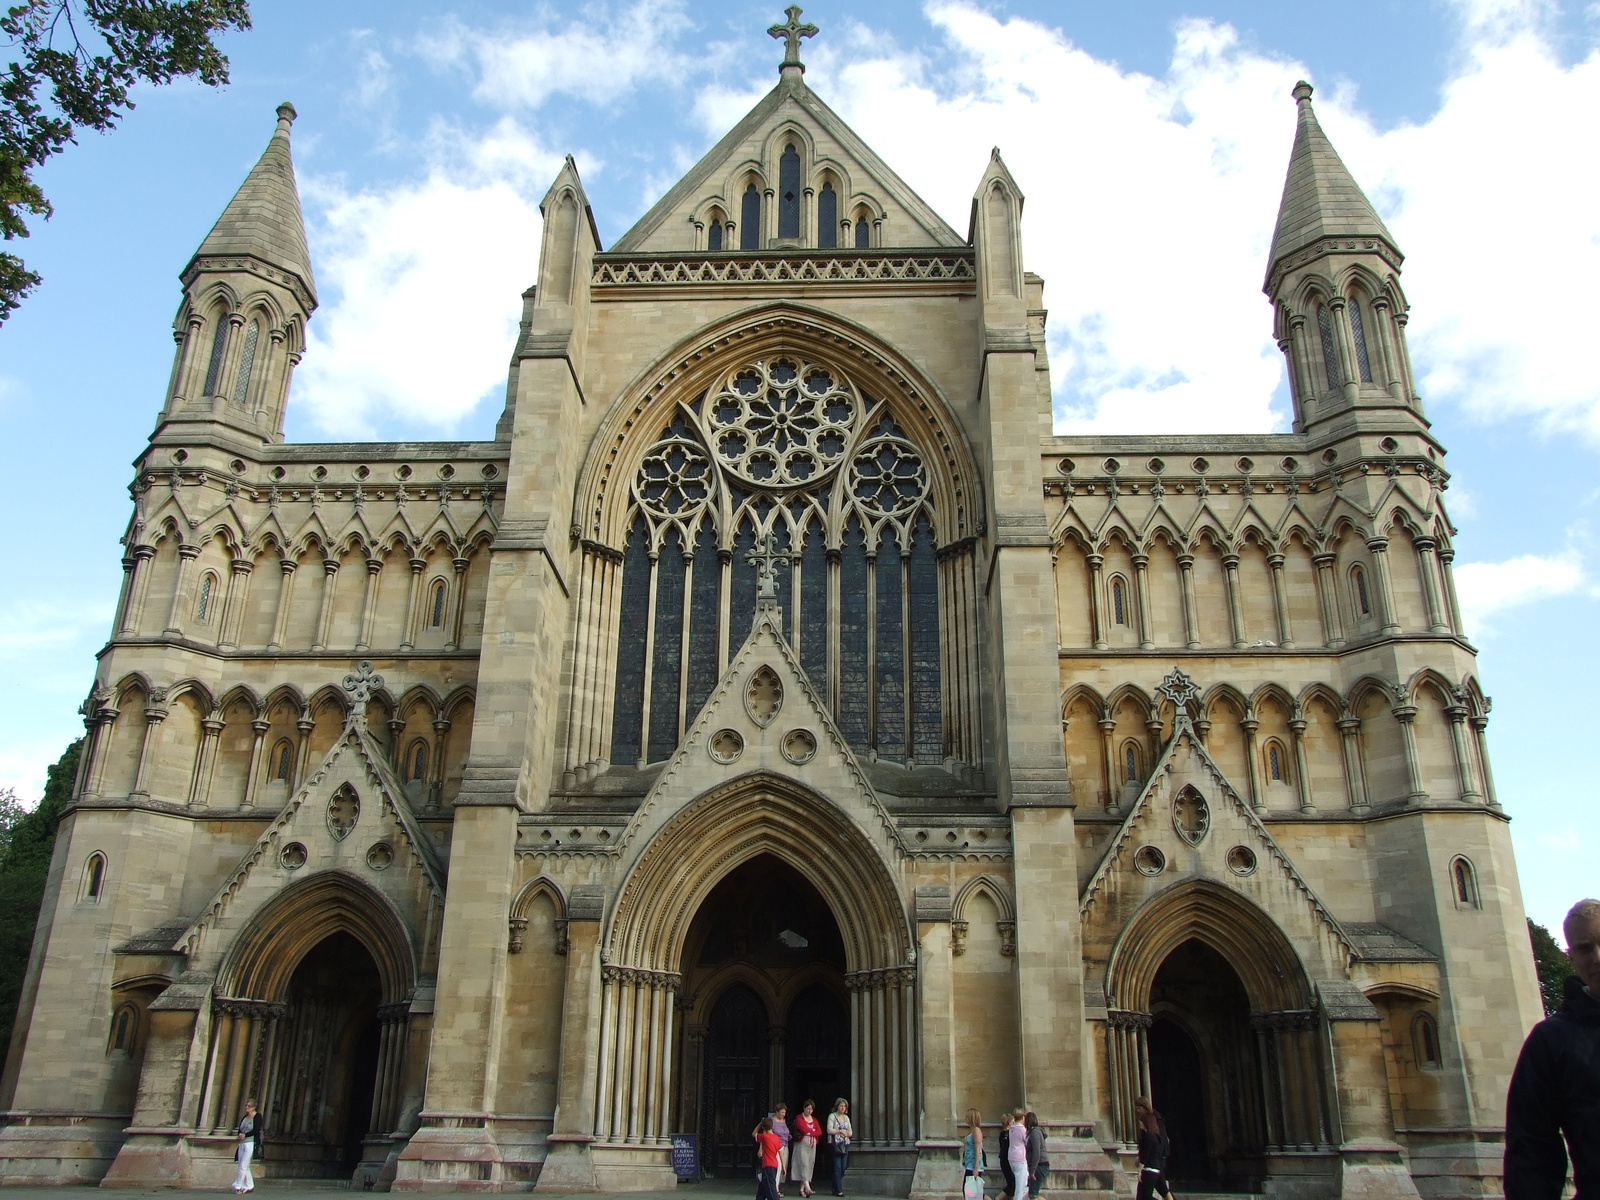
1150, 138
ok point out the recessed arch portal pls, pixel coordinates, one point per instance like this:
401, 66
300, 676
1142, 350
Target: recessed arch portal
654, 926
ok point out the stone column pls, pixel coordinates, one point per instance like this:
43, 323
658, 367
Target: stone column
1108, 760
1191, 627
101, 722
180, 591
205, 760
1097, 619
1230, 570
938, 1172
233, 608
457, 594
1258, 798
1297, 731
369, 604
1452, 604
252, 781
1406, 714
154, 713
1428, 568
1470, 793
1355, 784
302, 753
1392, 379
1379, 546
408, 636
280, 621
1280, 601
1480, 725
1141, 587
138, 588
1345, 344
1328, 599
330, 579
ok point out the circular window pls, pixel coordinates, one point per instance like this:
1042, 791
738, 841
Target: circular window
783, 422
1242, 860
292, 857
380, 856
726, 745
800, 746
1150, 861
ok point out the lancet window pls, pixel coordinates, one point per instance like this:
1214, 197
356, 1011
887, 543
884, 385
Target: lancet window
219, 346
789, 193
827, 217
247, 361
1358, 333
1330, 353
750, 219
786, 447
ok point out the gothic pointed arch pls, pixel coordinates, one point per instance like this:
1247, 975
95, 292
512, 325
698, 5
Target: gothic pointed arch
1244, 934
759, 813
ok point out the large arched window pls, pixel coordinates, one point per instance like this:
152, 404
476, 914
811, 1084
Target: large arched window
247, 362
436, 603
1464, 883
1425, 1041
1358, 334
750, 219
94, 877
205, 598
789, 193
827, 217
219, 348
1359, 592
787, 448
1330, 352
282, 761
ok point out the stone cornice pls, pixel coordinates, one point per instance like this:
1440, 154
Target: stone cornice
944, 270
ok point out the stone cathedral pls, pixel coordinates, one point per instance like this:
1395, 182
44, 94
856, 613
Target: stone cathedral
775, 708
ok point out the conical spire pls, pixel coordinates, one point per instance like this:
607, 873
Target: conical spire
1320, 198
263, 218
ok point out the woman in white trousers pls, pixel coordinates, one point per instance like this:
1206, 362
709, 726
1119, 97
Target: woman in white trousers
244, 1181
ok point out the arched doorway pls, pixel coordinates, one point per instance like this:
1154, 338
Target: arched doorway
1212, 1017
765, 951
1203, 1073
325, 1063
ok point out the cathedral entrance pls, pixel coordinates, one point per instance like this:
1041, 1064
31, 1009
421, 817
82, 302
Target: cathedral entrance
1204, 1075
768, 957
320, 1103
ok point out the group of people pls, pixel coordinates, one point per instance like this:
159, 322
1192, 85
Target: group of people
1022, 1154
791, 1153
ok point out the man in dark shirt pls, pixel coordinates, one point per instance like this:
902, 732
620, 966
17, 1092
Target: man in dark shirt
1555, 1089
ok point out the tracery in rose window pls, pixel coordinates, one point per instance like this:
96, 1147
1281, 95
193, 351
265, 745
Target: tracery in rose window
787, 445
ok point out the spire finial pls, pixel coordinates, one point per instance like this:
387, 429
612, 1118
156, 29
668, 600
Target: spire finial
286, 116
1302, 92
791, 33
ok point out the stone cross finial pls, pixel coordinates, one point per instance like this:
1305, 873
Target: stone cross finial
791, 33
362, 685
766, 560
1180, 689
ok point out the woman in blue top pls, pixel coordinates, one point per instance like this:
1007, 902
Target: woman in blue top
973, 1159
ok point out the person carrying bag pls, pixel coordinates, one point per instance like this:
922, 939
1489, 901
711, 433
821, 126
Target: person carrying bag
973, 1157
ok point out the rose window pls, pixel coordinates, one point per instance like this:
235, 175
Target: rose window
782, 423
674, 478
887, 478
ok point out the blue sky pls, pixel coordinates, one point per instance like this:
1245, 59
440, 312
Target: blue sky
1151, 140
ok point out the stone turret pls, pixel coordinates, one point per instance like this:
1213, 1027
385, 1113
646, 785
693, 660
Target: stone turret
1334, 278
248, 292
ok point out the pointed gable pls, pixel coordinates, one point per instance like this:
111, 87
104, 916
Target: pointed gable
751, 150
263, 219
1320, 196
764, 716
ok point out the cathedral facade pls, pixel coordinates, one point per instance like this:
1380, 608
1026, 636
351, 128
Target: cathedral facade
777, 709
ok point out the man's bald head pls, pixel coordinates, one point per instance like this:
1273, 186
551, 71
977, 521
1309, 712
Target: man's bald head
1582, 929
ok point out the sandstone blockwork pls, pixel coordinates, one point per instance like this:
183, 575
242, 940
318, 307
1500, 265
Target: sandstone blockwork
773, 710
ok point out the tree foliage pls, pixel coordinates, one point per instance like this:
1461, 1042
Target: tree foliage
1553, 965
73, 64
27, 839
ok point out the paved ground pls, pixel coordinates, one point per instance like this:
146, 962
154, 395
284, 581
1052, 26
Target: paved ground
710, 1189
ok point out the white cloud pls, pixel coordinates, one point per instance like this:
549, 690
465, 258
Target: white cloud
1487, 589
421, 283
1565, 840
598, 59
1151, 203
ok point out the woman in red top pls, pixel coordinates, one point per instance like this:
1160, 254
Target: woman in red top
771, 1152
803, 1151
